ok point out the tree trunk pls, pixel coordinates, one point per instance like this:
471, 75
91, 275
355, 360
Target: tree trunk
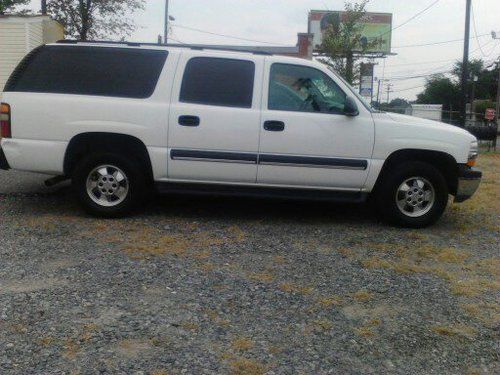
349, 68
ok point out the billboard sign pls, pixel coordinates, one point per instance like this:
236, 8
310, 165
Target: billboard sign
376, 29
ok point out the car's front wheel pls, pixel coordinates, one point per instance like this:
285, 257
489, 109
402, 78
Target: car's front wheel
108, 185
412, 194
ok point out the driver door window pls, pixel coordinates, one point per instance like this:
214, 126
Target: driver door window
304, 89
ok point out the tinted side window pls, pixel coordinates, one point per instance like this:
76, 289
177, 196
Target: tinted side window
117, 72
304, 89
220, 82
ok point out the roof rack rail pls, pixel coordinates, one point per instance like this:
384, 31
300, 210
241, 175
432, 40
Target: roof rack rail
200, 47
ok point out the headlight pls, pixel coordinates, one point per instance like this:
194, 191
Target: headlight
473, 153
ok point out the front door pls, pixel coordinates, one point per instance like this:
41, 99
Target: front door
306, 139
214, 119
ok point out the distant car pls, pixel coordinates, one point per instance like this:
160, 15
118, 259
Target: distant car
121, 118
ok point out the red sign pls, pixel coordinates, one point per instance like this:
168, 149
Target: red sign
490, 114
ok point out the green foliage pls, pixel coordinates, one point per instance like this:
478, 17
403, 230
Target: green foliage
11, 5
341, 46
397, 105
440, 89
95, 19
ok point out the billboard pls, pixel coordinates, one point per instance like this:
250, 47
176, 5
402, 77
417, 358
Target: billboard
376, 28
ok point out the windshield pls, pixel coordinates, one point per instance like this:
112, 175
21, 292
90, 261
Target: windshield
355, 92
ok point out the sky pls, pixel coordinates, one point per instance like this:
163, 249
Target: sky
279, 21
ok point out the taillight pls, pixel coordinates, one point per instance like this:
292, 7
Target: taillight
5, 130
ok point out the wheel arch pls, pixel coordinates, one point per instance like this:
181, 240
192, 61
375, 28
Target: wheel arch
85, 143
443, 161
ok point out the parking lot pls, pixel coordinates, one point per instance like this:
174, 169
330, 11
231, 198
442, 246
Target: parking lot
241, 286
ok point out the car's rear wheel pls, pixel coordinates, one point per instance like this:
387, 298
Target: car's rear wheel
412, 194
108, 184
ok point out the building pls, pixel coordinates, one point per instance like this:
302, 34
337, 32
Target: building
20, 34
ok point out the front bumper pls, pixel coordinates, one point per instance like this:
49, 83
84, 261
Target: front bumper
468, 183
4, 164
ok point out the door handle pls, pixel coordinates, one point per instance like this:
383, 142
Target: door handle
274, 126
189, 120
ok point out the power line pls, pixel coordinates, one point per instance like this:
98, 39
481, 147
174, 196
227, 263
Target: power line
410, 88
474, 26
411, 18
225, 35
432, 71
438, 43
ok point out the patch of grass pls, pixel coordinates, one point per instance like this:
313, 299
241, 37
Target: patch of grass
364, 331
362, 296
190, 326
237, 234
474, 287
461, 330
297, 289
244, 366
487, 313
278, 259
47, 341
71, 349
159, 372
275, 350
88, 331
368, 329
330, 301
167, 244
262, 277
242, 344
322, 324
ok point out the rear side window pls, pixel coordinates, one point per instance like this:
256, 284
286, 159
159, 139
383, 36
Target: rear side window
219, 82
116, 72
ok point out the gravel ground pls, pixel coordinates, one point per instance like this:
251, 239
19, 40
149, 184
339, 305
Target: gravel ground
238, 286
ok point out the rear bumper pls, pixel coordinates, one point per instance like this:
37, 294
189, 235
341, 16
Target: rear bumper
4, 164
468, 183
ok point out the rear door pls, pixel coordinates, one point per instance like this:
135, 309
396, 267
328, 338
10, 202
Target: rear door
214, 120
306, 139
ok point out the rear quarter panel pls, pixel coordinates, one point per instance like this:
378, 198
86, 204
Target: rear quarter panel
43, 124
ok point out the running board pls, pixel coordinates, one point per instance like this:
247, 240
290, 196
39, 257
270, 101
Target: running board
261, 192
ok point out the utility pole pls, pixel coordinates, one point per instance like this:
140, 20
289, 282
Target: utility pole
497, 109
378, 92
475, 78
465, 64
165, 33
389, 87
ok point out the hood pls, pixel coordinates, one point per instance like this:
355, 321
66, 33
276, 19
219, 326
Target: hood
417, 121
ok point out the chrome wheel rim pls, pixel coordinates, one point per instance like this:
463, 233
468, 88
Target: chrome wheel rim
107, 185
415, 197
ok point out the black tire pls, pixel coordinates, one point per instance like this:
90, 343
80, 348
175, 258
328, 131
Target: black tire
136, 182
386, 195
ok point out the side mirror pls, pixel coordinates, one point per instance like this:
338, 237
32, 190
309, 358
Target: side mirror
351, 108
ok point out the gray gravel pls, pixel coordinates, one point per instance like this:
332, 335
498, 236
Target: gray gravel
239, 286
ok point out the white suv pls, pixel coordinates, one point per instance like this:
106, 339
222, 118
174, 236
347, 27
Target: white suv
121, 118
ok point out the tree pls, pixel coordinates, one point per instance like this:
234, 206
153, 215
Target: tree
440, 89
11, 5
397, 105
343, 42
95, 19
